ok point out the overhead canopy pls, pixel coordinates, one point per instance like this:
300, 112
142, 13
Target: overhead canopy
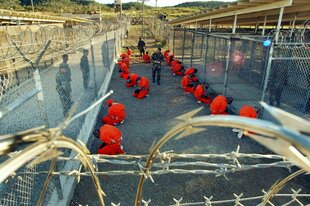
251, 13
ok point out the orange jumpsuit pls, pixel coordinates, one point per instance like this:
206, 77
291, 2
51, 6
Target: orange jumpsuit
132, 81
144, 88
169, 59
146, 58
200, 95
123, 55
124, 71
111, 137
177, 69
166, 54
248, 111
219, 105
128, 51
116, 114
191, 71
186, 83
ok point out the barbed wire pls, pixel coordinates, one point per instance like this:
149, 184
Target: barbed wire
63, 37
208, 201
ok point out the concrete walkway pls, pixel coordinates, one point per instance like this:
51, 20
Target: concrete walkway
147, 121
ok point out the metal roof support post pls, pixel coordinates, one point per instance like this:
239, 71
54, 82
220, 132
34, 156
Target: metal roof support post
210, 23
279, 24
264, 27
293, 26
256, 25
196, 24
235, 25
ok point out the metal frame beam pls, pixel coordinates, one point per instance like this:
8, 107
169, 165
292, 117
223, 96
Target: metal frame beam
263, 7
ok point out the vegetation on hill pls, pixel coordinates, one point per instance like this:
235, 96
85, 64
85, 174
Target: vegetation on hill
131, 6
203, 4
90, 7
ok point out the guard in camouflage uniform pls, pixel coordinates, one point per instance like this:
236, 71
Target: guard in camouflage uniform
85, 68
157, 59
63, 87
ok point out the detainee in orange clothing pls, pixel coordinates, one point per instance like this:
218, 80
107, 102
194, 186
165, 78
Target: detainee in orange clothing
116, 113
124, 71
144, 88
146, 58
192, 71
128, 51
178, 69
170, 59
166, 53
200, 94
248, 111
187, 85
132, 80
111, 138
219, 105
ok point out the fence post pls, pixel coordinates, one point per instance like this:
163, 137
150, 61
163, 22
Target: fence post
192, 49
108, 54
214, 48
205, 58
93, 65
253, 57
268, 70
183, 47
227, 67
173, 44
201, 48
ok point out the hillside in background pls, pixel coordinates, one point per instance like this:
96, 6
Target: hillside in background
90, 7
203, 4
131, 6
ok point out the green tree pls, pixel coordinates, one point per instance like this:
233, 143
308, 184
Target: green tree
10, 4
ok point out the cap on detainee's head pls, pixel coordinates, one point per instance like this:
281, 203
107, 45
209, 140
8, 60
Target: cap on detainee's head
229, 100
65, 56
109, 102
96, 133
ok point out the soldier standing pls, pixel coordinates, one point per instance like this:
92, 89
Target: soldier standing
85, 68
63, 87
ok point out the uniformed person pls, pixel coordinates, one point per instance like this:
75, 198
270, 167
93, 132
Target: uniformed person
63, 87
157, 59
85, 68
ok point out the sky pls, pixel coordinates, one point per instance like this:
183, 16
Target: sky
161, 3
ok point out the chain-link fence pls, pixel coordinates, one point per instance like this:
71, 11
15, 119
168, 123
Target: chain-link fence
44, 71
289, 78
237, 65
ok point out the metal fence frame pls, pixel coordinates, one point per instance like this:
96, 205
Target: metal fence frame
221, 47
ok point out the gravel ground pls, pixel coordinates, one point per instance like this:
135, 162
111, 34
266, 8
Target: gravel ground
147, 121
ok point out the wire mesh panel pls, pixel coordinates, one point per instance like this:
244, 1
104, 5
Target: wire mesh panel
198, 57
178, 42
216, 55
246, 69
41, 81
289, 80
